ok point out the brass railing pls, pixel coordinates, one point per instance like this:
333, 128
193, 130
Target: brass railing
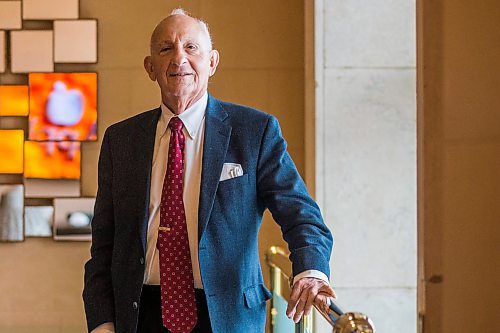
340, 321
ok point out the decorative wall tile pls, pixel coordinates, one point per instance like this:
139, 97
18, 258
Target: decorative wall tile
10, 15
63, 106
2, 51
38, 221
72, 217
52, 188
50, 9
11, 213
75, 41
52, 160
32, 51
11, 151
14, 101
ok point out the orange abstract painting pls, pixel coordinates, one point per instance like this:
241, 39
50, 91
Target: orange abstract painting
52, 160
63, 106
14, 101
11, 151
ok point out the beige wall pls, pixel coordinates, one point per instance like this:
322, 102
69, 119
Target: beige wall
262, 65
459, 169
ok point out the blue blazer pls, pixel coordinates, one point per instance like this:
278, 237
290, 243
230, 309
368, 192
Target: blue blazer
230, 214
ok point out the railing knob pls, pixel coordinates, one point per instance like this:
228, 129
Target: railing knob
354, 322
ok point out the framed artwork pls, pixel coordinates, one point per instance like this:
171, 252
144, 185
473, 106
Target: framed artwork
11, 213
52, 160
11, 151
63, 106
72, 218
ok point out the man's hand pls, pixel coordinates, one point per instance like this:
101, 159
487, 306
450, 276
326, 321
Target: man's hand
304, 293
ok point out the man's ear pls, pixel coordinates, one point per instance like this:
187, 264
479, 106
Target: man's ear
148, 66
214, 61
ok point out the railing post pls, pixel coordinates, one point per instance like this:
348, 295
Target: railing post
305, 325
275, 286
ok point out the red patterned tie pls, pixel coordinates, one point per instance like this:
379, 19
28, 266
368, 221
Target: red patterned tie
176, 271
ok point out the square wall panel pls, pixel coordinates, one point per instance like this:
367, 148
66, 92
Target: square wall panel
2, 51
14, 101
50, 9
63, 106
10, 15
52, 160
72, 218
75, 41
31, 51
51, 188
11, 213
38, 221
11, 151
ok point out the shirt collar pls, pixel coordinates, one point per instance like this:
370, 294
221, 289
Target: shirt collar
192, 117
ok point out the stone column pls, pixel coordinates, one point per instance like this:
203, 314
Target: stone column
366, 155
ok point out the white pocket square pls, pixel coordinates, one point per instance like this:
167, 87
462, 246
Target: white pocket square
230, 170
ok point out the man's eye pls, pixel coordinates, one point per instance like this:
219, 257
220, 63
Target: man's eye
191, 47
165, 48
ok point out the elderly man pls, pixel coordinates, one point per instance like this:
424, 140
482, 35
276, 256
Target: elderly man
182, 190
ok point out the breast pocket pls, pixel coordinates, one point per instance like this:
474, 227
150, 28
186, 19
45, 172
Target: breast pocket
230, 197
234, 182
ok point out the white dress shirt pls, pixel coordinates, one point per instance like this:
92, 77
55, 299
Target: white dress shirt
194, 128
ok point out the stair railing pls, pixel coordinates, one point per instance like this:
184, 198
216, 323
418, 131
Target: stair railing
340, 321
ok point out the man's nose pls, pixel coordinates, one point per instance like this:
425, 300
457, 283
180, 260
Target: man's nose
179, 56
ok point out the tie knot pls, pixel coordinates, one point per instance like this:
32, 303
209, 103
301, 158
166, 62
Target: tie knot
175, 124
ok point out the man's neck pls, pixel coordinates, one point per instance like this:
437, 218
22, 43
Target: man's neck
178, 105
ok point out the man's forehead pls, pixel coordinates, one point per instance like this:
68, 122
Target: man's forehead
178, 26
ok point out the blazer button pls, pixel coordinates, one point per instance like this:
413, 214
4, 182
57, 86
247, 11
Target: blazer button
135, 306
141, 261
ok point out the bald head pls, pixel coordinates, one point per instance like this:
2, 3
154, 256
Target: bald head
181, 61
176, 16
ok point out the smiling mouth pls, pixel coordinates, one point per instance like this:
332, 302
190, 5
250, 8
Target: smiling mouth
179, 74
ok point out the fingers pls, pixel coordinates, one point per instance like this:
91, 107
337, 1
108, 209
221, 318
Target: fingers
304, 294
322, 301
311, 295
294, 299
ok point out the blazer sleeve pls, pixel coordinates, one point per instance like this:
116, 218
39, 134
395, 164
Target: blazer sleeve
98, 289
284, 193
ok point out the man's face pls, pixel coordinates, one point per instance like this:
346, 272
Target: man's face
181, 61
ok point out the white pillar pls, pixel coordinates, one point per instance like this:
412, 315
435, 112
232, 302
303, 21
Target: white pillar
366, 154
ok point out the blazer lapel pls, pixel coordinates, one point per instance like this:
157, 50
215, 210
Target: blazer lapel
217, 134
144, 154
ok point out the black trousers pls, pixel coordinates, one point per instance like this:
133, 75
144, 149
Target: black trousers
150, 312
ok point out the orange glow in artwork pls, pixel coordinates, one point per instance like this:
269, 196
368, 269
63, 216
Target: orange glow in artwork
11, 151
14, 101
52, 160
63, 106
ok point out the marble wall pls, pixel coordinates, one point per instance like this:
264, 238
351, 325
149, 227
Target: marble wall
366, 155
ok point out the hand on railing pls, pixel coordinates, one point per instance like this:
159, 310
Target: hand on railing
348, 322
305, 293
